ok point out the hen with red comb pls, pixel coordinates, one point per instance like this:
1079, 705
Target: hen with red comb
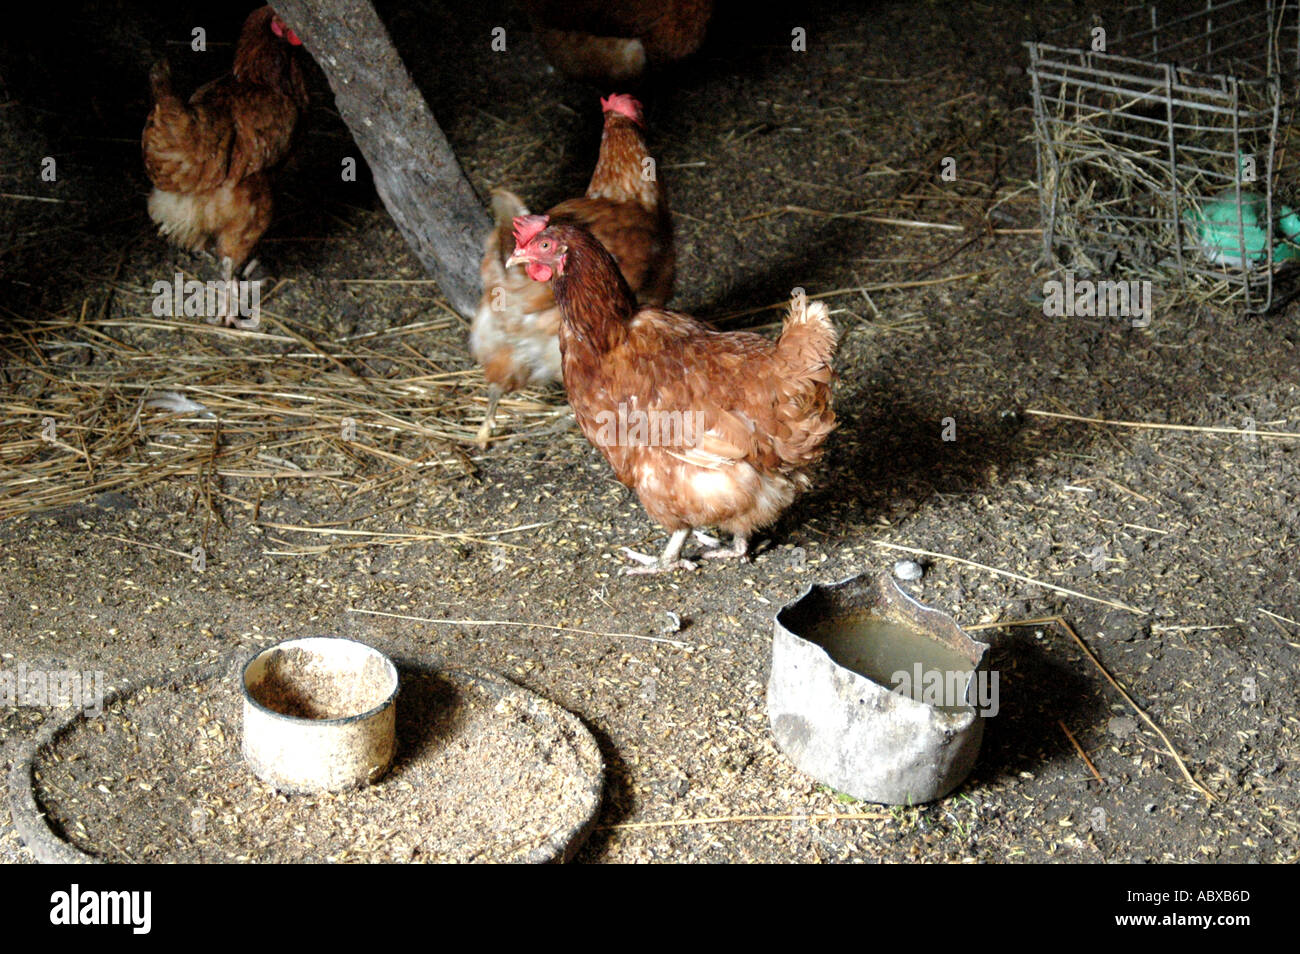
709, 428
513, 335
527, 226
211, 158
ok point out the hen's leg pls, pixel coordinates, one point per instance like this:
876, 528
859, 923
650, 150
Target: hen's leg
484, 432
739, 548
247, 207
229, 300
670, 559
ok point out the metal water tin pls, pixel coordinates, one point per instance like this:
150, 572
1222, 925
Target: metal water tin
852, 733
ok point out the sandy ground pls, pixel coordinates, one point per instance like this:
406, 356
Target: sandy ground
1194, 529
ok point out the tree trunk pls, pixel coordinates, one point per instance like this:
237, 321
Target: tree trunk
416, 173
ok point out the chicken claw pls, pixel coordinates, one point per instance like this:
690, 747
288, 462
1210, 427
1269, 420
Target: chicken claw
739, 548
670, 559
489, 418
656, 567
230, 316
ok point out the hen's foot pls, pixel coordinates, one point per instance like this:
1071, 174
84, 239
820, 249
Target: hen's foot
654, 566
670, 559
738, 550
489, 419
230, 316
708, 539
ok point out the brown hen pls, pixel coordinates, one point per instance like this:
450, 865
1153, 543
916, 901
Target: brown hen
210, 159
613, 43
513, 335
709, 428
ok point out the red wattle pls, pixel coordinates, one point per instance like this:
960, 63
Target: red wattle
538, 272
282, 31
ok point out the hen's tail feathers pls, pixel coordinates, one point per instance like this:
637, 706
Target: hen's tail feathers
168, 141
505, 206
807, 342
803, 389
160, 82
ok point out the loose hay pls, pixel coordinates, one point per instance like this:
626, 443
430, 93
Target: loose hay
88, 406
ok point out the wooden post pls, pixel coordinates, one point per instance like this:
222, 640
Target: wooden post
415, 171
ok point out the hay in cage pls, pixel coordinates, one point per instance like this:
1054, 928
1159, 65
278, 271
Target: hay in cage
1165, 148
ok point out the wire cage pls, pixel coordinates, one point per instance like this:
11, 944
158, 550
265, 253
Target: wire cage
1165, 147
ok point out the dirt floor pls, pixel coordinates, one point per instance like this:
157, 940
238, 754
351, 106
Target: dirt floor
761, 146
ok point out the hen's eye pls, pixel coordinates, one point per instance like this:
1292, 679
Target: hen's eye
546, 245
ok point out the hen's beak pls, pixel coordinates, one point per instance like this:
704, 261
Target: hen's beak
518, 258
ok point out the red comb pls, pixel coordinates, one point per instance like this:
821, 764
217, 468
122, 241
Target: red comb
527, 227
282, 31
624, 105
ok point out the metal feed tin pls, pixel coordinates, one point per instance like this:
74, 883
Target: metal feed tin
319, 714
851, 732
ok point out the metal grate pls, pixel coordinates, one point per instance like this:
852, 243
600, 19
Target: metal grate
1169, 155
